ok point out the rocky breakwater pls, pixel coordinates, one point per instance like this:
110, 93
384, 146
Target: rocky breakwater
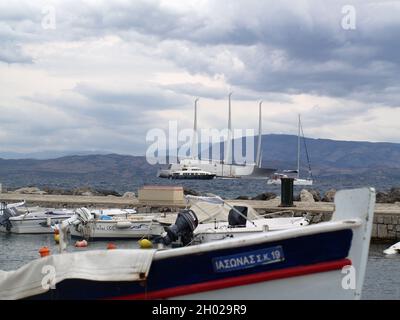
387, 225
72, 198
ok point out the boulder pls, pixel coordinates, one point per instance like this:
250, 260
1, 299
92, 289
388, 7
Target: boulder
30, 190
129, 194
382, 197
265, 196
316, 195
84, 191
391, 196
190, 192
306, 196
50, 190
329, 196
108, 193
243, 198
394, 195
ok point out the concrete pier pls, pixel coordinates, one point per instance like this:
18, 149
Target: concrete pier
386, 219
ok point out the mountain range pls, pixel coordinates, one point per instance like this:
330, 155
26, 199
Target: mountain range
330, 160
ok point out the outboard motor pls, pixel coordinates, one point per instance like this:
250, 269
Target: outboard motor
5, 216
184, 226
236, 220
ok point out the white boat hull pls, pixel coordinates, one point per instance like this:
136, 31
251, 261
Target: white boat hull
109, 229
209, 232
40, 222
214, 167
296, 182
325, 286
33, 225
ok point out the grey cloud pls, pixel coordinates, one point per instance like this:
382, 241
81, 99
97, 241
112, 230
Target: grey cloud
95, 105
307, 33
201, 91
197, 90
138, 97
12, 53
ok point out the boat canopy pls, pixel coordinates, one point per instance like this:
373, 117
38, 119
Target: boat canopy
116, 265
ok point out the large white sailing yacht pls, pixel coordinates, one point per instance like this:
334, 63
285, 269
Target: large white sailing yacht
221, 168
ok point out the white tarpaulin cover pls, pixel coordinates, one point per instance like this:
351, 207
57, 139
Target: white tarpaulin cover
208, 212
100, 265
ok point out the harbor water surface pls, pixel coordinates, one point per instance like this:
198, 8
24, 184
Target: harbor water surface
381, 280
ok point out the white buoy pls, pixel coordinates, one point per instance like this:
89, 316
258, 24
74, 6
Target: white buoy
393, 249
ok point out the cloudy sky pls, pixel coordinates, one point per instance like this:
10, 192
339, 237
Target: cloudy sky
97, 75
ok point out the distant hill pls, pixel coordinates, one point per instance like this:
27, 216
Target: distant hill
330, 160
110, 171
331, 155
45, 155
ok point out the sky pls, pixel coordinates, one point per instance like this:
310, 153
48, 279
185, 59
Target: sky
98, 75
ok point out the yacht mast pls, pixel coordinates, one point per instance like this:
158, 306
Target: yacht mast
194, 140
258, 157
298, 150
229, 138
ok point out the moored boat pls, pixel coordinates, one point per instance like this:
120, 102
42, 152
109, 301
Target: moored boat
233, 221
37, 222
43, 221
117, 227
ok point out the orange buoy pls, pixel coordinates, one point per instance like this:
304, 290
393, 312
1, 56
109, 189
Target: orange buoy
44, 251
81, 244
111, 246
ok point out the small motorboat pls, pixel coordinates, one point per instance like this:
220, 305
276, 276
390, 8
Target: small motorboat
235, 228
112, 224
43, 221
36, 222
220, 220
394, 249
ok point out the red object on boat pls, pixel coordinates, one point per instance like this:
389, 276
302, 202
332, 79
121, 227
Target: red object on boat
44, 251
